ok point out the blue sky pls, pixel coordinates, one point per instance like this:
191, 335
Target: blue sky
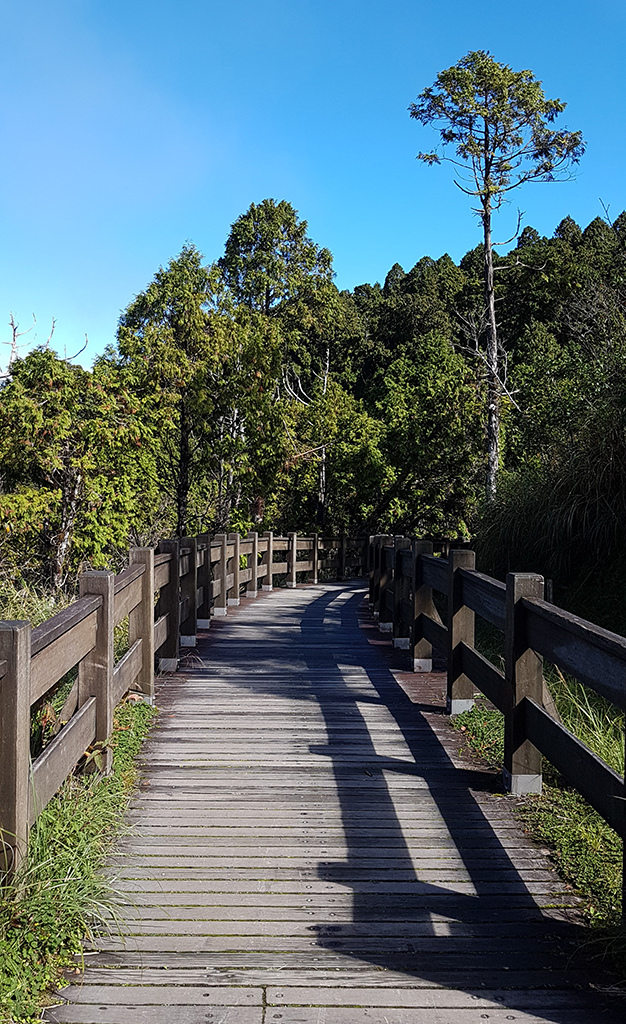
132, 126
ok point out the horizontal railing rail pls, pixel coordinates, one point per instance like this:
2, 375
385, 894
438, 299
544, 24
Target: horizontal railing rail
403, 573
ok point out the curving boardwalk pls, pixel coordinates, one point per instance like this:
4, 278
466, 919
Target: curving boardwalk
308, 848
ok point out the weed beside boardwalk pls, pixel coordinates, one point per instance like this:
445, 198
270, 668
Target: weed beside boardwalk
586, 852
60, 893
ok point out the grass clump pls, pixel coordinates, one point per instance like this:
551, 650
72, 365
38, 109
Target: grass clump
60, 893
586, 851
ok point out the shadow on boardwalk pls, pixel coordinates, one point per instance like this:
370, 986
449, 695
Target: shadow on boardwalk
472, 918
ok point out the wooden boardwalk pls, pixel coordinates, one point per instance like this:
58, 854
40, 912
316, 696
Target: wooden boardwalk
308, 848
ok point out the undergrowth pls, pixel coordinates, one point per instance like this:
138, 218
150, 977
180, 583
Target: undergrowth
586, 852
60, 892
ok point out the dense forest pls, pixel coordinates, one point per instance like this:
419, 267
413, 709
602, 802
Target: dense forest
249, 393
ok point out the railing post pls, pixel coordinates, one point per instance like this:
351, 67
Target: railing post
233, 593
292, 556
141, 621
381, 540
95, 671
189, 592
315, 555
523, 671
460, 628
385, 616
14, 742
253, 564
373, 568
169, 604
220, 606
400, 628
341, 566
422, 606
267, 559
204, 582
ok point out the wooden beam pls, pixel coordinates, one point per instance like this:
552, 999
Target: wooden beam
52, 662
60, 757
15, 651
95, 671
141, 621
460, 630
127, 671
524, 678
602, 787
485, 596
169, 604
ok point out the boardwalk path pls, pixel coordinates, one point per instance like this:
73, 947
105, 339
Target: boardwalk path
307, 852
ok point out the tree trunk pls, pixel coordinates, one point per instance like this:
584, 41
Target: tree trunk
71, 488
182, 496
321, 490
493, 382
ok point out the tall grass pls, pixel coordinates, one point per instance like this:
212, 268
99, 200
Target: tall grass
563, 515
60, 893
586, 851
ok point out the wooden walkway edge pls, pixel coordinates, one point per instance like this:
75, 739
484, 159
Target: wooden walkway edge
308, 848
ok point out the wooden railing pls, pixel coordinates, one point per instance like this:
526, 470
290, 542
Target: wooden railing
404, 573
192, 578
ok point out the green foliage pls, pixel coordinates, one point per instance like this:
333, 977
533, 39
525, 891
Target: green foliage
64, 870
68, 477
269, 258
498, 122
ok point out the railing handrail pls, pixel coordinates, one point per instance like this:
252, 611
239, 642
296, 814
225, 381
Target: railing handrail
191, 587
401, 598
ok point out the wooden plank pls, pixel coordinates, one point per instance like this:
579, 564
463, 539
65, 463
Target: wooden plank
281, 543
185, 565
161, 631
595, 656
161, 571
408, 992
162, 558
279, 567
434, 632
59, 758
215, 1014
485, 596
126, 577
602, 787
165, 995
127, 670
4, 666
322, 976
435, 572
245, 547
70, 704
129, 596
245, 575
57, 626
57, 657
485, 676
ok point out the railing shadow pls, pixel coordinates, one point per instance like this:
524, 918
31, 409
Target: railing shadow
459, 924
